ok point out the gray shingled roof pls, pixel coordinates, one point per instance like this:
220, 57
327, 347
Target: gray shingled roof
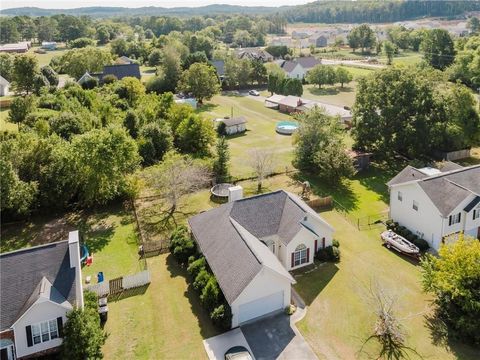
234, 121
230, 258
409, 173
219, 65
448, 189
122, 70
22, 271
308, 62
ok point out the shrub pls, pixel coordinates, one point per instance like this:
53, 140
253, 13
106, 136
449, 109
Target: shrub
196, 266
21, 107
421, 244
109, 79
290, 309
90, 84
330, 253
335, 243
210, 294
221, 129
222, 316
201, 280
182, 245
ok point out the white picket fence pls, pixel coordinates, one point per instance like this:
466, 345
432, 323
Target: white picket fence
120, 284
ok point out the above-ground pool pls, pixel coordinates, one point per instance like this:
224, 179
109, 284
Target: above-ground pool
286, 127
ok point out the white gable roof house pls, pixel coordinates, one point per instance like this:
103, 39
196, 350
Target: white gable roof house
251, 245
298, 68
437, 204
39, 286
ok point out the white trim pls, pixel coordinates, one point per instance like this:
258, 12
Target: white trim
69, 307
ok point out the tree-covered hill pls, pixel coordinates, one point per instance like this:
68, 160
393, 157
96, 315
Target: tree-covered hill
324, 11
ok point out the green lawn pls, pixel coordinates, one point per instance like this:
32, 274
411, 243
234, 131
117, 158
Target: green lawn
341, 310
260, 131
166, 322
44, 59
5, 125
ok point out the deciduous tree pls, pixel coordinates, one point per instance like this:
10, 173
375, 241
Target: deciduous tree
200, 80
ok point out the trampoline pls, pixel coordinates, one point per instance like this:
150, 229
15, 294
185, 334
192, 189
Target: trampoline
220, 191
286, 127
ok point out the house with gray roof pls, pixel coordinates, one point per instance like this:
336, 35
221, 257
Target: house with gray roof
298, 68
251, 244
437, 204
39, 286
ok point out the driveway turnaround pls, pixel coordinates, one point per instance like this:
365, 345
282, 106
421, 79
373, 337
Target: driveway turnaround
275, 338
217, 346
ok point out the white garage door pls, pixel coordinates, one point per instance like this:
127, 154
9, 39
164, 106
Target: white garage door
260, 307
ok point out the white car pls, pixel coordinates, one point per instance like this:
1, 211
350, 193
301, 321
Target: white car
254, 93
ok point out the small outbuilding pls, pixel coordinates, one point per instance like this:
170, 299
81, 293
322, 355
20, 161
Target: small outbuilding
49, 45
4, 86
361, 160
234, 125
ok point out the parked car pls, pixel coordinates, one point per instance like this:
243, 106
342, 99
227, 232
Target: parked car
238, 353
254, 93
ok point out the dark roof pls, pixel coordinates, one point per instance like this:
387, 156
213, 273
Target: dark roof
122, 70
22, 271
308, 62
234, 121
448, 189
472, 204
409, 173
219, 65
230, 258
288, 66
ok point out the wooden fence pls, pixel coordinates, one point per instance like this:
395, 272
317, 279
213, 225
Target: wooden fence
453, 155
121, 284
321, 203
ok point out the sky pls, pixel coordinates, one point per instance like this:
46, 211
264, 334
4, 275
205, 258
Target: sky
64, 4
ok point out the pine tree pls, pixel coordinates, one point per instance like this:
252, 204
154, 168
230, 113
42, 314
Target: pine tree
220, 166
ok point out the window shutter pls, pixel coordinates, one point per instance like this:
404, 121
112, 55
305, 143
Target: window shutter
450, 220
28, 329
316, 245
308, 255
474, 214
60, 326
323, 243
293, 260
459, 217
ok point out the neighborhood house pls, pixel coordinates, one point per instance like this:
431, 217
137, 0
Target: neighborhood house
298, 68
251, 245
40, 285
435, 204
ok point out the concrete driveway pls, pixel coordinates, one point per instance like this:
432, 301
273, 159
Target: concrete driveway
217, 346
277, 338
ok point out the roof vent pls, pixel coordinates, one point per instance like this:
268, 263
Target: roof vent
235, 193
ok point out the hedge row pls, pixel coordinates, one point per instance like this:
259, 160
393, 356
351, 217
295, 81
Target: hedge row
407, 234
185, 252
330, 253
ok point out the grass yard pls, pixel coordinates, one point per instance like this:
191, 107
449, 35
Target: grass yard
5, 125
166, 322
334, 95
44, 59
260, 131
340, 315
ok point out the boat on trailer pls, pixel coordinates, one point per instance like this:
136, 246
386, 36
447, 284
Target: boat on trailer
399, 243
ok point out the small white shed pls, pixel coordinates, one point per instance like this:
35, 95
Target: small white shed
4, 86
235, 125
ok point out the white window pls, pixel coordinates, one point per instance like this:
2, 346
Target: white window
415, 205
53, 329
476, 213
300, 256
400, 196
44, 331
36, 334
454, 219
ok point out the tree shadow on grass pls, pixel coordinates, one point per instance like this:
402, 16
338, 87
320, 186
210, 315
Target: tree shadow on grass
207, 329
324, 91
206, 108
440, 336
341, 192
375, 178
311, 283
